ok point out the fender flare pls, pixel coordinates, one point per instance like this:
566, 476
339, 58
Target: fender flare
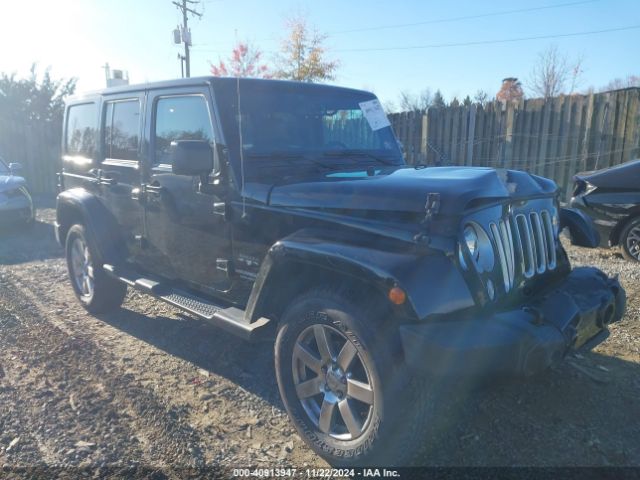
432, 282
78, 205
582, 230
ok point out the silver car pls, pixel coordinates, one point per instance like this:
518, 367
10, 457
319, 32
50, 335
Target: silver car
16, 205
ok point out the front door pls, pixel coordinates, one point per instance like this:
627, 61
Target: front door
119, 170
188, 240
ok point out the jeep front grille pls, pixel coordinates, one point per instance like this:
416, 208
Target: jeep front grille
526, 241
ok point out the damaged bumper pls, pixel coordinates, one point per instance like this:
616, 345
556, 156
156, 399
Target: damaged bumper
573, 315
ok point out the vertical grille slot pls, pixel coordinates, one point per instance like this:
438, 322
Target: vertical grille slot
547, 225
525, 245
540, 242
503, 237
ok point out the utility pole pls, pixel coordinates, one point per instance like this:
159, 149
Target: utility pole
186, 35
107, 73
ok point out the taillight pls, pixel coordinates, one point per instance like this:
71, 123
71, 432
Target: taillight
582, 187
579, 187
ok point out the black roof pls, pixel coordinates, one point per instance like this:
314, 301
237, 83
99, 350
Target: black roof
209, 80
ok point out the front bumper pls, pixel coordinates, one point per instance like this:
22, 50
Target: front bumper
574, 314
15, 210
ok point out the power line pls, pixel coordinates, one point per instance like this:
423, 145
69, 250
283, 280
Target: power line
450, 19
467, 44
488, 42
465, 17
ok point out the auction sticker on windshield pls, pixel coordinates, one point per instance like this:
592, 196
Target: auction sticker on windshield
374, 114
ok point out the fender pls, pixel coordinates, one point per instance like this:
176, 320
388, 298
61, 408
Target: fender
581, 228
432, 282
78, 205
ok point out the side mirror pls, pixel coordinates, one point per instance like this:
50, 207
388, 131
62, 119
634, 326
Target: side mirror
15, 168
582, 231
191, 157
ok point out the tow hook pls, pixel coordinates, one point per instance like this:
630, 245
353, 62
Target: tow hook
538, 318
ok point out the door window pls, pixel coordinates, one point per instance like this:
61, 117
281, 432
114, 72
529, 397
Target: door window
81, 130
122, 130
180, 118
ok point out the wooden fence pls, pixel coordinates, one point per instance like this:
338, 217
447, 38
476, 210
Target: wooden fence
37, 147
555, 138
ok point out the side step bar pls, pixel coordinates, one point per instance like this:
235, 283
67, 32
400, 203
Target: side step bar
230, 319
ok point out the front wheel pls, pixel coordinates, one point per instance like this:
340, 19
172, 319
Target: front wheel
97, 292
342, 385
630, 240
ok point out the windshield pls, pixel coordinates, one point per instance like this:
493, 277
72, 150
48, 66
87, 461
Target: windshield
304, 126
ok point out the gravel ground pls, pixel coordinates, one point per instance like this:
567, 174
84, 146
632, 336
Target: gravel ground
149, 386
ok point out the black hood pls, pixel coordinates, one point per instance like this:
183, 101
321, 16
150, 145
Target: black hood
623, 177
405, 189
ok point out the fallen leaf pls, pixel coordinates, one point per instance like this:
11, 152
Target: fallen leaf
13, 443
83, 444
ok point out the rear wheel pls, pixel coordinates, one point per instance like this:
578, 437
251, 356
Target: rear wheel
345, 391
96, 291
630, 240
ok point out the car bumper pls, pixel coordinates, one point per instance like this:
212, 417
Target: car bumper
521, 342
15, 211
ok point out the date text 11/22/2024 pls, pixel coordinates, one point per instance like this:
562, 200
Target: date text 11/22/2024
315, 473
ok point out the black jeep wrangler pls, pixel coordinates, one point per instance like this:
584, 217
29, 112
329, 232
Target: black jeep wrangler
282, 210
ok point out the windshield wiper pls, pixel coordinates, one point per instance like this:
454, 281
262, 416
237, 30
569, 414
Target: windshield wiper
290, 158
357, 153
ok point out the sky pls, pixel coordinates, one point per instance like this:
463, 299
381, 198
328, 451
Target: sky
370, 39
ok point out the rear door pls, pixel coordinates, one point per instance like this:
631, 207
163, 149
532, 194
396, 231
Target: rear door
190, 241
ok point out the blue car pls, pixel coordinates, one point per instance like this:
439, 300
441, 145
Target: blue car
16, 205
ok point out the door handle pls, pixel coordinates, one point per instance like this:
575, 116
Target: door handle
219, 208
154, 189
103, 177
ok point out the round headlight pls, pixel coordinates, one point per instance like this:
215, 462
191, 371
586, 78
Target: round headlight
471, 239
479, 245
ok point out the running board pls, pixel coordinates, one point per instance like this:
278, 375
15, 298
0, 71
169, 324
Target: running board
231, 319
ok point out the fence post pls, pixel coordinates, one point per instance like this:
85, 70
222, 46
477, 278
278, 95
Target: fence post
587, 131
508, 137
471, 132
424, 137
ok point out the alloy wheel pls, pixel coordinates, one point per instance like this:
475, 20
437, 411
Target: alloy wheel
82, 267
332, 382
633, 242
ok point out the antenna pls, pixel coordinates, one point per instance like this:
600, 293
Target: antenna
244, 199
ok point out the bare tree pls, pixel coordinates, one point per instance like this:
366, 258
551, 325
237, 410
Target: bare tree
411, 102
619, 83
551, 73
389, 107
575, 75
303, 54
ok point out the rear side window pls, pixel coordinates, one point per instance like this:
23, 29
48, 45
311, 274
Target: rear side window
122, 130
180, 118
81, 130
